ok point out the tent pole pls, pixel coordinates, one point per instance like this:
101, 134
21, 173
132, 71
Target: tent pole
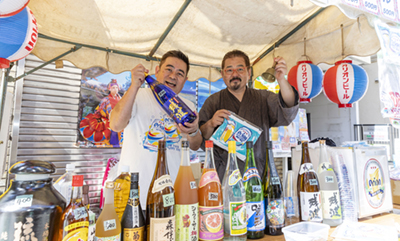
3, 91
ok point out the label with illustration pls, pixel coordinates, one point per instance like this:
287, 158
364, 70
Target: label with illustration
311, 209
275, 212
135, 234
161, 229
208, 177
160, 129
255, 216
161, 183
374, 183
112, 238
306, 167
331, 205
187, 226
237, 218
234, 178
290, 209
80, 213
211, 223
173, 105
251, 172
78, 234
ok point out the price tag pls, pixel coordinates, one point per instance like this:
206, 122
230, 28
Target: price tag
23, 200
193, 185
80, 213
353, 3
371, 6
110, 225
168, 199
387, 9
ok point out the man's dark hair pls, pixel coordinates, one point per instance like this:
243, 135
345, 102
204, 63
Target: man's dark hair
176, 54
236, 53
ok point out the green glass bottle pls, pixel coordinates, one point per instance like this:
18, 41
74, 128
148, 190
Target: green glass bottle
254, 196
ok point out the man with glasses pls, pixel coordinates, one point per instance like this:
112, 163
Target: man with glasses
260, 107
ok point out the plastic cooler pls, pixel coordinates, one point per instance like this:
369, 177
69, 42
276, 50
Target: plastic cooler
306, 231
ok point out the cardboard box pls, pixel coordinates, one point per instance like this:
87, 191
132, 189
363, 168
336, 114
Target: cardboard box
395, 191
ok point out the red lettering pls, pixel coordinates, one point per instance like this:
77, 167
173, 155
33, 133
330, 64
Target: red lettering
345, 67
395, 96
346, 96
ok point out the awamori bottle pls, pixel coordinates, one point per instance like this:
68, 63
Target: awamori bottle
31, 206
171, 102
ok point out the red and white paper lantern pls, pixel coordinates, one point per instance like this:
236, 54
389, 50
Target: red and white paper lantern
11, 7
307, 79
345, 83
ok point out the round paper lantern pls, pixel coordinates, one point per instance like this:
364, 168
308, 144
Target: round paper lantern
11, 7
307, 79
345, 83
18, 36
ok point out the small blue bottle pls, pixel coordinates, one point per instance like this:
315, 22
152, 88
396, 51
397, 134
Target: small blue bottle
171, 102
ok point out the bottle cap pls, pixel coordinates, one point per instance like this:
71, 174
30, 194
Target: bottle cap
185, 143
85, 189
109, 184
209, 144
268, 144
70, 167
232, 146
249, 144
321, 142
134, 176
124, 168
77, 180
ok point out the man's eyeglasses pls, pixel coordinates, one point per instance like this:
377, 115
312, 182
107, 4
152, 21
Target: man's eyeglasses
240, 70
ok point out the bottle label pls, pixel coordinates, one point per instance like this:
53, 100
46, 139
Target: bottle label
80, 213
83, 224
23, 200
255, 216
256, 188
135, 234
77, 234
173, 105
110, 224
313, 182
311, 206
92, 225
331, 205
325, 166
192, 185
161, 229
329, 179
235, 177
275, 212
237, 218
275, 181
213, 196
168, 199
211, 223
209, 177
251, 172
161, 183
134, 205
134, 193
306, 167
289, 204
187, 222
112, 238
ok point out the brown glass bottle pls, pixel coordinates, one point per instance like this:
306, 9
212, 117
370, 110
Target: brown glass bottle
160, 211
308, 189
75, 219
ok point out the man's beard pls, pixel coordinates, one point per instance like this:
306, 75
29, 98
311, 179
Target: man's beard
235, 86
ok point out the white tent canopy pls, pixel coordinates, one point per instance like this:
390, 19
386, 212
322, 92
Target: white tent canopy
142, 31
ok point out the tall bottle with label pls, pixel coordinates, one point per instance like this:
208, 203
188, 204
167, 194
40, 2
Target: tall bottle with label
274, 202
254, 196
186, 199
308, 189
160, 206
291, 200
171, 102
234, 197
121, 191
133, 223
331, 208
210, 200
75, 219
108, 227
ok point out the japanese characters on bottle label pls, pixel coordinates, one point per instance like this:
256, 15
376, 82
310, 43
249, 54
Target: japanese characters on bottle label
161, 183
136, 234
237, 218
255, 216
251, 172
187, 222
162, 229
211, 223
331, 205
306, 167
311, 206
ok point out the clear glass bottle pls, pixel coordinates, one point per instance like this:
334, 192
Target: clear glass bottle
121, 191
234, 194
308, 189
331, 208
210, 200
290, 194
75, 219
254, 196
274, 201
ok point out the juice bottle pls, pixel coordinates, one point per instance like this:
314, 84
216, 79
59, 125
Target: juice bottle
75, 219
210, 200
186, 200
108, 227
121, 191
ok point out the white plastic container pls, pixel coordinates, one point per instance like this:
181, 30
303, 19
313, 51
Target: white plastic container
64, 184
306, 231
